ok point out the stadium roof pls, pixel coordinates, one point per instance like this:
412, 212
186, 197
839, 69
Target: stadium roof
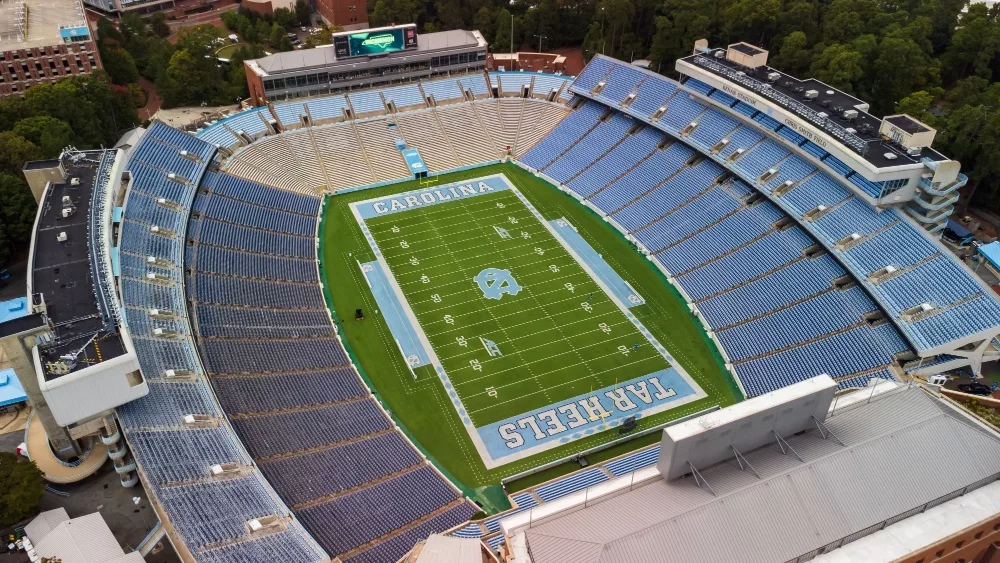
86, 539
62, 273
902, 450
830, 100
325, 56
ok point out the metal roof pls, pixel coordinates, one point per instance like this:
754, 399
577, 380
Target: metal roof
86, 539
900, 452
44, 523
13, 309
447, 549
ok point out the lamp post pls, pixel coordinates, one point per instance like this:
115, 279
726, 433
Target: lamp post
540, 37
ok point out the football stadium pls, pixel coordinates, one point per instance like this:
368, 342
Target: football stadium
540, 313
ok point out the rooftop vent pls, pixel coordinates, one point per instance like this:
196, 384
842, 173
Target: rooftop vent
67, 201
890, 156
850, 114
811, 94
851, 130
61, 237
773, 76
74, 181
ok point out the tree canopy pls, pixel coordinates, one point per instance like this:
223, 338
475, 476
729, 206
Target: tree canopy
21, 487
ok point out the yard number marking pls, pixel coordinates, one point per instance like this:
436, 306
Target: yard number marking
492, 392
404, 244
604, 328
436, 298
449, 319
475, 365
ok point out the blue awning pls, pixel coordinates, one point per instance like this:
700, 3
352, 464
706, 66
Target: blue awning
958, 229
11, 391
991, 252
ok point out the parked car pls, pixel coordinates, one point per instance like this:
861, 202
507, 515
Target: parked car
975, 389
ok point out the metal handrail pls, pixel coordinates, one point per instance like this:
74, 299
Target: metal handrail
855, 142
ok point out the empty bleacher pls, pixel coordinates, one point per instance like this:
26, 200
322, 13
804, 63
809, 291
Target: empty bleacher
284, 379
176, 457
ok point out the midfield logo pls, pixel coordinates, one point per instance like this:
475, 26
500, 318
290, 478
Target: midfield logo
495, 283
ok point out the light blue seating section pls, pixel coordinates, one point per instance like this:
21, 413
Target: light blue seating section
512, 82
174, 457
365, 101
589, 148
720, 238
249, 121
621, 159
327, 107
564, 135
644, 177
251, 192
824, 314
571, 484
779, 289
839, 355
743, 138
712, 127
682, 109
633, 462
475, 83
546, 83
620, 83
593, 73
747, 263
762, 157
652, 94
403, 96
288, 113
689, 218
442, 90
678, 189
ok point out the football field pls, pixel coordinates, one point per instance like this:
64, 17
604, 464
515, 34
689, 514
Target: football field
530, 342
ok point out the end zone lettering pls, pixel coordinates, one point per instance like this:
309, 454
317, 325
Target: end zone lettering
430, 197
597, 408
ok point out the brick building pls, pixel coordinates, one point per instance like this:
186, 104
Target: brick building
42, 41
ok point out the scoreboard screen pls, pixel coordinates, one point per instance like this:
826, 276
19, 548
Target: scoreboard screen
374, 42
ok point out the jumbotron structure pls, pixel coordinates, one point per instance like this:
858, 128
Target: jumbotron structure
801, 230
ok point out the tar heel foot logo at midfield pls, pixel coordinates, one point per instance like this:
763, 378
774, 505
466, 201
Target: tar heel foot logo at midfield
495, 282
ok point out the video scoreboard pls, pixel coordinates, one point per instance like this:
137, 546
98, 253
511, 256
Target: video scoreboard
376, 41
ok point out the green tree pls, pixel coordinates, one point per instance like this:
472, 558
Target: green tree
839, 66
753, 20
303, 12
119, 65
21, 483
795, 55
158, 24
51, 135
276, 35
974, 44
16, 150
285, 18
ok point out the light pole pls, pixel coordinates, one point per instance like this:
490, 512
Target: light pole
512, 33
540, 37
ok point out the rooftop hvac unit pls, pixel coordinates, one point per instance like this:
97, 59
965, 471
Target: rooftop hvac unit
74, 181
773, 76
890, 156
178, 374
225, 468
850, 114
61, 237
851, 130
822, 115
66, 201
913, 151
720, 54
67, 211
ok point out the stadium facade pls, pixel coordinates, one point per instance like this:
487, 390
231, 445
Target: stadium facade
258, 440
313, 72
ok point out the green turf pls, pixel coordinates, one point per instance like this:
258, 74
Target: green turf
422, 408
560, 335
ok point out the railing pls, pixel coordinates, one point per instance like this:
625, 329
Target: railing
849, 139
105, 298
